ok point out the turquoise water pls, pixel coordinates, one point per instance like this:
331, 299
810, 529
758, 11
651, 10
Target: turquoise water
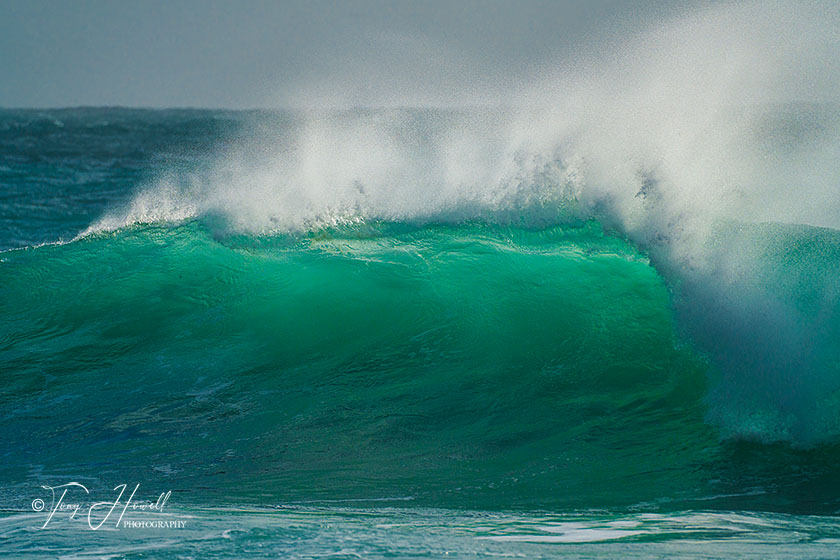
524, 378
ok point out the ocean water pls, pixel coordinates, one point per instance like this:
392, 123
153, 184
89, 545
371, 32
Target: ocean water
416, 333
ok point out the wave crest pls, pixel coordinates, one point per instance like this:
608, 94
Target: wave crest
693, 126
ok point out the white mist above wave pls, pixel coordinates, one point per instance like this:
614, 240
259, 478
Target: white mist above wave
728, 114
709, 116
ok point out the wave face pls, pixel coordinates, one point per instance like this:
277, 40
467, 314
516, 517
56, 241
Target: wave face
469, 364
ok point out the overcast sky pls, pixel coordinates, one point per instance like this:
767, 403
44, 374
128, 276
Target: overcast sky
164, 53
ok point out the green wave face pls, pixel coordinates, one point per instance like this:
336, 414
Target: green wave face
467, 366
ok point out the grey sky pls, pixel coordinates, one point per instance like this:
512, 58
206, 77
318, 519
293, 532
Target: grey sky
263, 54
